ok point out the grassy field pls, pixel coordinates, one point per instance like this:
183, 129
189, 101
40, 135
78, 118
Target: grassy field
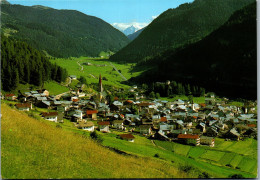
183, 97
239, 156
91, 73
55, 88
33, 149
200, 158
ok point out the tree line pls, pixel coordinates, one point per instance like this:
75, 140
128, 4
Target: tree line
20, 63
157, 89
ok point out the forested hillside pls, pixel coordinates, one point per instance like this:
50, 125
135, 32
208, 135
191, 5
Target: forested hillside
176, 27
61, 33
21, 63
135, 35
224, 62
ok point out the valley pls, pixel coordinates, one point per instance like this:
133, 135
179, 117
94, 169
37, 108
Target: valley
93, 67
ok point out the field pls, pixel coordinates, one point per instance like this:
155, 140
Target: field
97, 67
55, 88
34, 149
203, 159
183, 97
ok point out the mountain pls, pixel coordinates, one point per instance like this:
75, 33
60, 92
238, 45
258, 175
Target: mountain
224, 61
188, 23
130, 30
135, 34
60, 33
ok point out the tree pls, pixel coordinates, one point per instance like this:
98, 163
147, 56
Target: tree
83, 80
236, 176
188, 91
152, 95
190, 97
204, 175
157, 95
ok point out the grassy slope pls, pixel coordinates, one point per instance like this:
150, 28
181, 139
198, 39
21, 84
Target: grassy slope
202, 158
54, 88
34, 149
112, 76
242, 155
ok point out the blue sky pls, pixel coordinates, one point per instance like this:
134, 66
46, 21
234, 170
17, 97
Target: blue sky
112, 11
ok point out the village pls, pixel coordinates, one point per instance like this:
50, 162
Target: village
179, 121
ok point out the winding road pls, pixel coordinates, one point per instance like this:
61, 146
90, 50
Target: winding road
80, 66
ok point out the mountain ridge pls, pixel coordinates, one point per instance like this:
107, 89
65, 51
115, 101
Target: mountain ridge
224, 61
175, 28
61, 33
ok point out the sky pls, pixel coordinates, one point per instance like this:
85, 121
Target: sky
139, 12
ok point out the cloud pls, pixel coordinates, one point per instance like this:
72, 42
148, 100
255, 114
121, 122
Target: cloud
137, 25
123, 26
154, 17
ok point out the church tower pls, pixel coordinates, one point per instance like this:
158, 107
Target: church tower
100, 89
100, 84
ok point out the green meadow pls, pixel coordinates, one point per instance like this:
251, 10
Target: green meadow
55, 88
34, 149
97, 67
215, 161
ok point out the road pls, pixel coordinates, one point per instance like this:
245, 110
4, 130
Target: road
80, 66
59, 95
124, 78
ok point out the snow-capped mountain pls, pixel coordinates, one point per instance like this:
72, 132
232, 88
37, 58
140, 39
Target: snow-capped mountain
129, 28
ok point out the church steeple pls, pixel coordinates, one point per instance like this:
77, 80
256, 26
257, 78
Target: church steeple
100, 84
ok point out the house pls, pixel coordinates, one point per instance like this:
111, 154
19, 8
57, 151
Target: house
22, 98
211, 131
104, 126
160, 136
166, 128
156, 118
24, 106
50, 116
210, 101
232, 134
77, 115
207, 141
87, 126
118, 124
73, 77
128, 137
44, 92
145, 129
44, 104
92, 114
10, 97
189, 139
202, 127
163, 119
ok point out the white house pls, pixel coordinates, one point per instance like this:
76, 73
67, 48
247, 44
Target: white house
145, 129
24, 106
104, 126
51, 116
87, 126
118, 124
128, 137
